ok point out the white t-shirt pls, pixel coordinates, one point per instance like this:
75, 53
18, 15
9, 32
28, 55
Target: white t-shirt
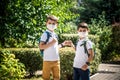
51, 53
80, 56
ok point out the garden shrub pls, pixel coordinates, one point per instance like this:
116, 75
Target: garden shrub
115, 42
103, 30
73, 37
66, 62
10, 68
29, 57
33, 62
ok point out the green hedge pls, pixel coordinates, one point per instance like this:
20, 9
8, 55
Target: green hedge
74, 38
33, 62
114, 48
66, 60
10, 68
29, 57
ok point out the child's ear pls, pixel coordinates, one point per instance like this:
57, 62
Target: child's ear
88, 30
57, 24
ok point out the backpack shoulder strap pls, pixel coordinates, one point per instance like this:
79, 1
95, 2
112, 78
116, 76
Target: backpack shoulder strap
85, 47
48, 36
56, 36
76, 44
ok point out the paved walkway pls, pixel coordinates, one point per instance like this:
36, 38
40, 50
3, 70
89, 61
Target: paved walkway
107, 72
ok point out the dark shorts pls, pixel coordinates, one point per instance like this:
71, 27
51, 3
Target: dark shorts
80, 74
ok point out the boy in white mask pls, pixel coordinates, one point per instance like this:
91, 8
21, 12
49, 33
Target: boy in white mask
51, 63
82, 59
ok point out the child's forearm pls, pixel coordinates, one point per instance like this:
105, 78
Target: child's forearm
61, 45
91, 55
45, 46
73, 46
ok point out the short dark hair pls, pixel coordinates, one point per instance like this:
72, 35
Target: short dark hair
52, 17
82, 25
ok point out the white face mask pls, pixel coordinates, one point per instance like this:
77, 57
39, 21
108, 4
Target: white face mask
51, 27
83, 34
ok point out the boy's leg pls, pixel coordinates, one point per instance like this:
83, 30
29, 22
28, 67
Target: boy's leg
46, 70
76, 75
85, 75
56, 70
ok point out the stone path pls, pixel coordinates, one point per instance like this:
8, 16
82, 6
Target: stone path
107, 72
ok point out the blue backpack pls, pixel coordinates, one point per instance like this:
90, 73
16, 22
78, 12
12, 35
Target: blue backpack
48, 37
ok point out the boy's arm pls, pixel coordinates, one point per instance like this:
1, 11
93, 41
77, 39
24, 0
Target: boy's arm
90, 58
91, 55
65, 43
73, 46
42, 45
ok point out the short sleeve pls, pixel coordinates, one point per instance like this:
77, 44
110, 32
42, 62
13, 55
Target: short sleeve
43, 37
89, 45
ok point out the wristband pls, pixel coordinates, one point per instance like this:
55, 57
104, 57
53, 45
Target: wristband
62, 45
88, 63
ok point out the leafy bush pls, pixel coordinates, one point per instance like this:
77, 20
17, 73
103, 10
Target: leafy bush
66, 62
19, 16
29, 57
114, 46
100, 28
10, 68
73, 37
33, 62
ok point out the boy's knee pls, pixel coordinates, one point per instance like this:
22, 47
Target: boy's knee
46, 78
56, 78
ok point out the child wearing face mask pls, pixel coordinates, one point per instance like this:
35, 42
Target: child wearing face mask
82, 59
51, 63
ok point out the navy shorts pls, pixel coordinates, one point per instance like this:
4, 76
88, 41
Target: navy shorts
80, 74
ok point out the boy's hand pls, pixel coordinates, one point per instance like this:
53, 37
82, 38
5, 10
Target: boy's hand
54, 40
70, 43
66, 43
84, 67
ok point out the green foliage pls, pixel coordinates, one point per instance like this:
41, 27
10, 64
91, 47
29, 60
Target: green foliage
10, 68
30, 58
33, 61
66, 62
100, 27
114, 46
69, 27
75, 37
23, 21
63, 37
93, 8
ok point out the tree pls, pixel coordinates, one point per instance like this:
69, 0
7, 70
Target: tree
24, 20
93, 8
